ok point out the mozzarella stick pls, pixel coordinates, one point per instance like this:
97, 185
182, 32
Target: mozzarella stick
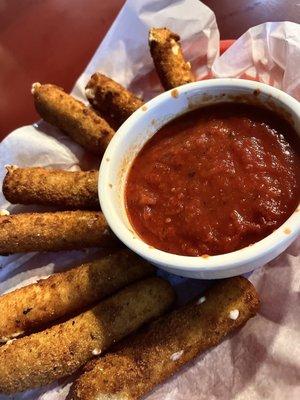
113, 101
64, 189
168, 58
62, 294
152, 356
81, 123
59, 351
64, 230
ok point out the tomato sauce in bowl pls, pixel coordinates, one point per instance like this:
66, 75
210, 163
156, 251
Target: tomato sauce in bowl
214, 180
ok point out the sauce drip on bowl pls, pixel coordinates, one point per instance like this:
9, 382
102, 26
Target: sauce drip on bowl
215, 180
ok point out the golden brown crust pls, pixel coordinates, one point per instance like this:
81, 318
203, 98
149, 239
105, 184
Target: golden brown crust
113, 101
152, 356
36, 305
64, 230
168, 58
81, 123
63, 189
43, 357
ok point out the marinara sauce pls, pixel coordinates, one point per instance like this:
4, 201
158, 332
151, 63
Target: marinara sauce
214, 180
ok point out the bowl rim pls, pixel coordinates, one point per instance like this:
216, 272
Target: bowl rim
222, 262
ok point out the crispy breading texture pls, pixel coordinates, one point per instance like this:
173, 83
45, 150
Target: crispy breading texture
52, 187
112, 100
81, 123
154, 355
168, 58
63, 230
36, 305
59, 351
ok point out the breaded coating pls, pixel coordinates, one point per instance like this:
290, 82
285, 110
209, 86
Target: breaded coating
52, 187
113, 101
43, 357
168, 58
36, 305
62, 230
155, 354
81, 123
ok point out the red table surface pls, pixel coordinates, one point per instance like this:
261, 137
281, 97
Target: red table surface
53, 40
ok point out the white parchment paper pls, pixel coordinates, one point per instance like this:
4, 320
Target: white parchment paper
262, 361
269, 53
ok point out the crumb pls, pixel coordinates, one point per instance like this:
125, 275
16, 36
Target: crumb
96, 352
205, 256
174, 93
234, 314
176, 356
201, 300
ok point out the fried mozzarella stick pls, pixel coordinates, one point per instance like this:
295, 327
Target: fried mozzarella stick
152, 356
43, 357
64, 230
113, 101
168, 58
65, 293
81, 123
65, 189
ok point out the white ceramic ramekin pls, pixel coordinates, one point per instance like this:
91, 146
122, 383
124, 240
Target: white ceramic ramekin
143, 124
